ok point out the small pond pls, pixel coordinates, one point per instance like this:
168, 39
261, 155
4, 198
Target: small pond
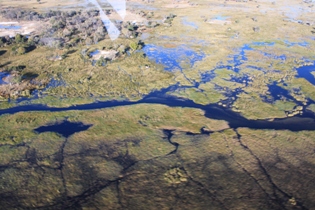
306, 73
64, 128
10, 27
3, 75
96, 52
220, 17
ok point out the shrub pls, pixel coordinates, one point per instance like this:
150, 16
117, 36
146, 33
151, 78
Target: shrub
18, 38
134, 46
21, 50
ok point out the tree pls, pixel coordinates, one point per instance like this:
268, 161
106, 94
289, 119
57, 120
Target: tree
18, 38
134, 46
13, 50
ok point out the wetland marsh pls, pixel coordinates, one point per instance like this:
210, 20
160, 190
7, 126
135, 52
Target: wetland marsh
197, 105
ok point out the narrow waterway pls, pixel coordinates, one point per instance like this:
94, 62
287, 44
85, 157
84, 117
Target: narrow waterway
213, 111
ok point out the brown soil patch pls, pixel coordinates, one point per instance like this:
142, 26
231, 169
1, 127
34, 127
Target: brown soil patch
170, 45
179, 5
132, 17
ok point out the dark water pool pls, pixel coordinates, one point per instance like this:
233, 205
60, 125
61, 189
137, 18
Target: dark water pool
277, 93
306, 73
64, 128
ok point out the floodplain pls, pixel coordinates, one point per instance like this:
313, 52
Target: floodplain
197, 105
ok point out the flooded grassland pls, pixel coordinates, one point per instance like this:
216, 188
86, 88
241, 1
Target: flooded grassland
208, 106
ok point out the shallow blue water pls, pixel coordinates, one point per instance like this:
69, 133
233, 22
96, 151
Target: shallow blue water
240, 57
276, 92
290, 44
36, 94
171, 58
254, 67
10, 27
186, 22
263, 44
94, 52
270, 55
220, 17
234, 64
2, 75
207, 76
303, 72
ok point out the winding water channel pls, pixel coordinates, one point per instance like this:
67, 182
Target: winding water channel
213, 111
306, 121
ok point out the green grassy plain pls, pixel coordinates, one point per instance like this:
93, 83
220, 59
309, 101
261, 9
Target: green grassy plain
125, 157
150, 156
